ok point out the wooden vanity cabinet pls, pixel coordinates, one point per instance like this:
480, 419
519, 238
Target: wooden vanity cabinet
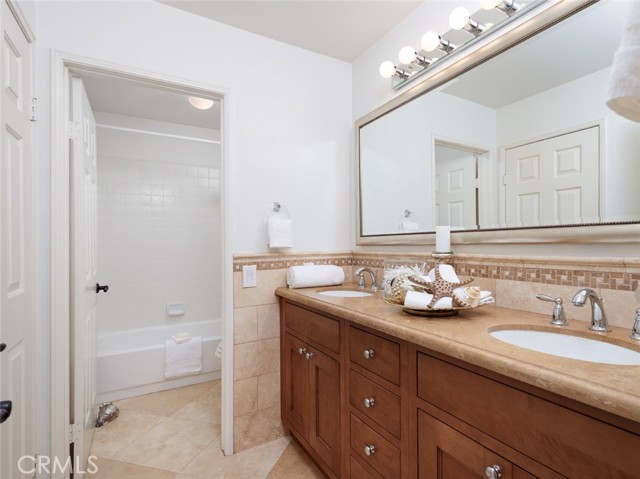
367, 405
311, 384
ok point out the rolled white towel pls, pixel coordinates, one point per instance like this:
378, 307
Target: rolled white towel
416, 300
310, 275
624, 83
447, 272
279, 232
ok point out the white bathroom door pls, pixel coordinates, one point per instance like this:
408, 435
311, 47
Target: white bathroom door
17, 252
554, 181
456, 192
83, 166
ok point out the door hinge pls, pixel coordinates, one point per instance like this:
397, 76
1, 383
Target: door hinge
36, 470
74, 432
505, 180
73, 130
34, 109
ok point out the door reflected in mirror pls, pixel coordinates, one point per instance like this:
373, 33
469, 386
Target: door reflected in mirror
523, 140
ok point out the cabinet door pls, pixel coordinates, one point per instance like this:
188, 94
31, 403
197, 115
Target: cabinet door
296, 385
324, 427
444, 453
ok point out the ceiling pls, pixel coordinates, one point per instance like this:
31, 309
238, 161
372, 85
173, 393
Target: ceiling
342, 29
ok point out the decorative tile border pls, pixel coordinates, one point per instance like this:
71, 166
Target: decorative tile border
621, 274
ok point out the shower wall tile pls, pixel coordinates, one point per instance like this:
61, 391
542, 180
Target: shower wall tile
158, 242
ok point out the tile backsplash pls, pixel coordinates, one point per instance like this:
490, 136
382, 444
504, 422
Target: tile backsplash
514, 280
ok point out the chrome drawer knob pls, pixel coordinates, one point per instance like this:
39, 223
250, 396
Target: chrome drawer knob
368, 353
369, 449
369, 402
301, 351
493, 472
309, 355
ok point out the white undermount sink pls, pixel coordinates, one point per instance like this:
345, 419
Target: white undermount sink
345, 293
569, 346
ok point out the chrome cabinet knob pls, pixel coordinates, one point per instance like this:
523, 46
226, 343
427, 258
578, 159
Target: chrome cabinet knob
309, 355
369, 449
368, 353
301, 351
369, 402
493, 472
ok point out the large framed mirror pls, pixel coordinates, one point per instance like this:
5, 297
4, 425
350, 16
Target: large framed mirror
512, 141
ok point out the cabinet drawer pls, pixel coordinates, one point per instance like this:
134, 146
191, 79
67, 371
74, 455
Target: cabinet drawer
321, 329
379, 355
385, 457
357, 471
385, 409
564, 440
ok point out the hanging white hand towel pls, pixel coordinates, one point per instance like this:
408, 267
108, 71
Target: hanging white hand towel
624, 84
183, 358
279, 232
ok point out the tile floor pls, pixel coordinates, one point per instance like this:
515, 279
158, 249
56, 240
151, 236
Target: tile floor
175, 434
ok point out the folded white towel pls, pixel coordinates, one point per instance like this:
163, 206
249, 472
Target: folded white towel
408, 226
279, 232
314, 275
183, 358
624, 83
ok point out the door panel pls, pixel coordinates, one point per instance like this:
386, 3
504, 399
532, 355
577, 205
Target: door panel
17, 277
324, 428
554, 181
296, 397
83, 271
456, 192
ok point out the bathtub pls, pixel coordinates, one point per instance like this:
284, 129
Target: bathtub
131, 363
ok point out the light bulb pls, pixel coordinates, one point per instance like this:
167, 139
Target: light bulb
387, 69
489, 4
430, 41
459, 18
407, 55
200, 103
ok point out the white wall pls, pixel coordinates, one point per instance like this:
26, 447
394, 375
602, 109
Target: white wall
291, 112
159, 225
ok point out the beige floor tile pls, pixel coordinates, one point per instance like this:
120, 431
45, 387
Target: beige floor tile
169, 446
205, 408
250, 464
293, 464
108, 469
165, 403
126, 428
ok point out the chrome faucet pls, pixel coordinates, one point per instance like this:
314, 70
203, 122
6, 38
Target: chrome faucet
374, 278
598, 316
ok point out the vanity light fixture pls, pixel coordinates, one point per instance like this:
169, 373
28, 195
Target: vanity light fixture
459, 19
388, 70
507, 6
414, 64
432, 41
200, 103
408, 56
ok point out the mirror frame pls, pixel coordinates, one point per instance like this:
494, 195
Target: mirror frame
514, 32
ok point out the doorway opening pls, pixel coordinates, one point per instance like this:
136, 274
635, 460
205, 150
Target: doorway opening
155, 230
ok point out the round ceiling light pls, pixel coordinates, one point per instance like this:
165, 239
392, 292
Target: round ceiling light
200, 103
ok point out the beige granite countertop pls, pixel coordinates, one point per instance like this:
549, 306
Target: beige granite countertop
612, 388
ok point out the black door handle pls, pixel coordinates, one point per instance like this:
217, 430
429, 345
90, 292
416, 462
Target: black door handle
5, 410
99, 288
2, 347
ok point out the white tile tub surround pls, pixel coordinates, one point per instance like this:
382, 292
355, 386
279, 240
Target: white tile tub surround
158, 242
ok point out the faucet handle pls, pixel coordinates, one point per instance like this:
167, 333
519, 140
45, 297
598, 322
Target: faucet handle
558, 318
635, 331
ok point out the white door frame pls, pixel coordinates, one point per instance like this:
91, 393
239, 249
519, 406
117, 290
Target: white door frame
61, 64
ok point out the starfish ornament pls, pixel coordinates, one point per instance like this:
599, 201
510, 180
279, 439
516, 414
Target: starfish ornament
440, 287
